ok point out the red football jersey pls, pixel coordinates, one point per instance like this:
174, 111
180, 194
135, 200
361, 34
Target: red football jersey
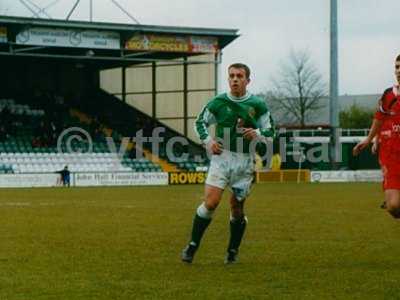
389, 135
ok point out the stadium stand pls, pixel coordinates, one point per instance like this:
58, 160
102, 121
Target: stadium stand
27, 145
33, 149
104, 106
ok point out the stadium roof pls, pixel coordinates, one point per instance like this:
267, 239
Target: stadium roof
118, 44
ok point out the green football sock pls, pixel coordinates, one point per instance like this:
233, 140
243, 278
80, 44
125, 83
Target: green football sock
199, 227
237, 227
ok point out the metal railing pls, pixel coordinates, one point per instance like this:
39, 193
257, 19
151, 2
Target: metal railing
324, 132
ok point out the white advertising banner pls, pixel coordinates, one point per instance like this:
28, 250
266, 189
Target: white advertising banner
69, 38
347, 176
28, 180
121, 179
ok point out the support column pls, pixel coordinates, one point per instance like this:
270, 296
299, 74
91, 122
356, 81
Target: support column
185, 96
123, 84
335, 147
153, 90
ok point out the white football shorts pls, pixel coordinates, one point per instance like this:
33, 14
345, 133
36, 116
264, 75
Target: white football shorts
235, 170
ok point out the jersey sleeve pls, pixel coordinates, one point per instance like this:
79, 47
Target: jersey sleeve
265, 123
203, 121
384, 104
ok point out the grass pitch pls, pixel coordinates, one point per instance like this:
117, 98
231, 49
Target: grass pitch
307, 241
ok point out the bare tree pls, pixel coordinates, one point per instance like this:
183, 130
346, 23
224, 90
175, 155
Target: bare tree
298, 92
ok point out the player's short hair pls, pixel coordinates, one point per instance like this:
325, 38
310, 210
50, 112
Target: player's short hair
398, 58
241, 66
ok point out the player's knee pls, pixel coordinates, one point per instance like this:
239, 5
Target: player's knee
212, 200
211, 204
237, 212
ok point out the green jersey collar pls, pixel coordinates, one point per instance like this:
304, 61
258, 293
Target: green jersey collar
238, 99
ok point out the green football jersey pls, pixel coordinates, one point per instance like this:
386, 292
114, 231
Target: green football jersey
230, 113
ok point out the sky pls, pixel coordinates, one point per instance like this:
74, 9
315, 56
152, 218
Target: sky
269, 29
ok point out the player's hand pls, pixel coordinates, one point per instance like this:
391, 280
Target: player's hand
249, 134
360, 146
214, 147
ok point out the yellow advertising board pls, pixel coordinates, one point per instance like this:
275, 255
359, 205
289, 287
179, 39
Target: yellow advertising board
187, 177
172, 43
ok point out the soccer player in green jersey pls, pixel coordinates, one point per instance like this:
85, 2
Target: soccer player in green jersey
242, 120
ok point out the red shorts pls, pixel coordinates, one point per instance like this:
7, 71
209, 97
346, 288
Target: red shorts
391, 177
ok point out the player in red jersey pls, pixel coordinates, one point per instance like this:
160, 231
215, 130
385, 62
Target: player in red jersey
386, 128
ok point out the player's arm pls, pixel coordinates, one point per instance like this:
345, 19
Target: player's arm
380, 115
375, 127
382, 112
203, 121
265, 128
